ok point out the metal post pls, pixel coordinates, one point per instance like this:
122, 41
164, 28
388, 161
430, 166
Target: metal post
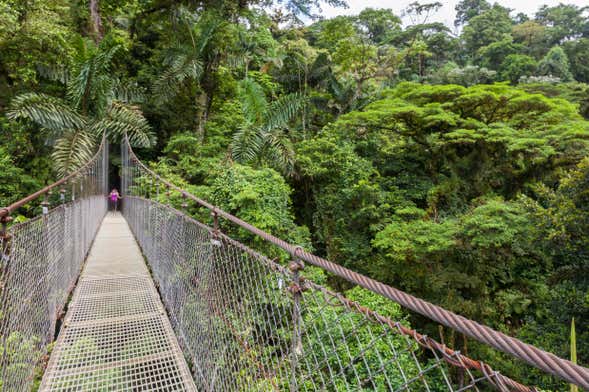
184, 204
4, 236
215, 216
295, 266
45, 205
4, 271
62, 194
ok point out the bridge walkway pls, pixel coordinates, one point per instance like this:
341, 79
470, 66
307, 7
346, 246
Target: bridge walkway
116, 335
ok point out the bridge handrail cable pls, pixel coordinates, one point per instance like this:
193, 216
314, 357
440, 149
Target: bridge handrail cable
532, 355
6, 211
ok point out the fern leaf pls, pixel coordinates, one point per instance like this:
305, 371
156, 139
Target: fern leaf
253, 100
49, 112
124, 119
283, 110
280, 152
247, 144
180, 68
73, 150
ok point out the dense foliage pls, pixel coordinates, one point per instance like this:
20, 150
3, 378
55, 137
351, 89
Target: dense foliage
449, 162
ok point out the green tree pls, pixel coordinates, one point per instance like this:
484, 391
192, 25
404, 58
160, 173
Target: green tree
264, 137
468, 9
484, 29
533, 36
261, 197
493, 55
191, 62
555, 63
15, 182
418, 52
440, 161
96, 103
33, 35
516, 66
577, 52
353, 54
380, 25
564, 22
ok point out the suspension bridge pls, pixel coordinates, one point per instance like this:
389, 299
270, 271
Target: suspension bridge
151, 299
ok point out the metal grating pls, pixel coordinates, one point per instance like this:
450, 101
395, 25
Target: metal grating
113, 305
123, 284
116, 335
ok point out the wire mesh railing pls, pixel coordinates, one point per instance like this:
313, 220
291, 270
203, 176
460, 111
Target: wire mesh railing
40, 260
247, 322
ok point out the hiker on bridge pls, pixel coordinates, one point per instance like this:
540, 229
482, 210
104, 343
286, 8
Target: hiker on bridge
114, 197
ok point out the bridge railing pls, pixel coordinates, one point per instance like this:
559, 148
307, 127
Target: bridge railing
250, 323
40, 260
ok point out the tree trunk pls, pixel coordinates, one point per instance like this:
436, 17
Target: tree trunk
202, 104
96, 21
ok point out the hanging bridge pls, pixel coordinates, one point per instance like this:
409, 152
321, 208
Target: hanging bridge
152, 299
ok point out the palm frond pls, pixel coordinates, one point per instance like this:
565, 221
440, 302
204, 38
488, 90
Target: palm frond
236, 59
283, 110
279, 152
253, 100
247, 144
56, 73
92, 83
180, 68
183, 14
78, 89
121, 119
321, 71
207, 27
47, 111
129, 92
73, 150
104, 57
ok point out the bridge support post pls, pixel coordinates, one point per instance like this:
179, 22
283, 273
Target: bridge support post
296, 289
45, 204
184, 204
4, 239
4, 269
62, 193
215, 216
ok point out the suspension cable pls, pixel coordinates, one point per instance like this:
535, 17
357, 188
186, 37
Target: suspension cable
5, 211
532, 355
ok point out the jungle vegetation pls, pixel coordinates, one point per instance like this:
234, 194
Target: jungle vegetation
448, 161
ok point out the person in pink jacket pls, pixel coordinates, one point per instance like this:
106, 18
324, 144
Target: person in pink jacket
114, 197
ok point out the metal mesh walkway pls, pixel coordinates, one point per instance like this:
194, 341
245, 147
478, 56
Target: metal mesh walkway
116, 334
246, 322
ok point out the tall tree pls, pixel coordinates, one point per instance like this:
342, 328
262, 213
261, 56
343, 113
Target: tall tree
468, 9
380, 25
486, 28
96, 21
564, 22
192, 60
96, 103
555, 63
264, 137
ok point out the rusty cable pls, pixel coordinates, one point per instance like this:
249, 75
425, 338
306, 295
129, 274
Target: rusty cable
5, 211
532, 355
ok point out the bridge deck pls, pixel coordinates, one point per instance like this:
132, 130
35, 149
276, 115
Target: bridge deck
116, 335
